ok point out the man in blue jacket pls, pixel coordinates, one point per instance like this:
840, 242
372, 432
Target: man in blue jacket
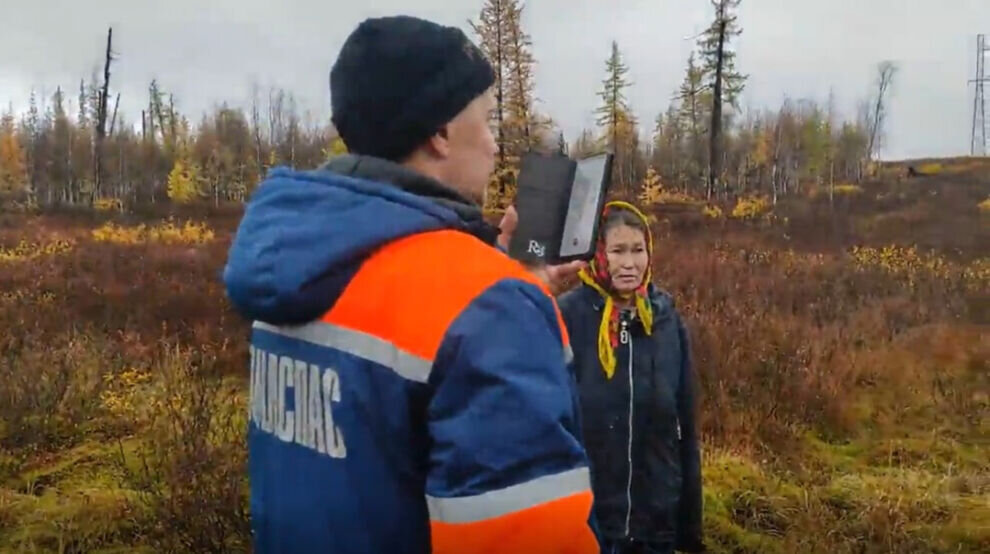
409, 389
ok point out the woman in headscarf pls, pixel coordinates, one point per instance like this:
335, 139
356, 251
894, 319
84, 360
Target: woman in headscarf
633, 368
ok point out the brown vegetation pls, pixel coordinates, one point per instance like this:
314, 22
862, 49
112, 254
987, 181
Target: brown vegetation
843, 392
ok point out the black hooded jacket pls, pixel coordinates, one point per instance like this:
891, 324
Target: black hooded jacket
639, 426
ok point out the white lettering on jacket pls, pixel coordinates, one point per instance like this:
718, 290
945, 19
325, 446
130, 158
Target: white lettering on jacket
309, 423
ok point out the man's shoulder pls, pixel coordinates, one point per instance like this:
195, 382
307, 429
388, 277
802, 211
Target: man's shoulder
458, 261
411, 290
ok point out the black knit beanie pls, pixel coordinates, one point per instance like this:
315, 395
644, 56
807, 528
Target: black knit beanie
399, 79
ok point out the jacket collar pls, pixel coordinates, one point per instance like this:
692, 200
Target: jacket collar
662, 302
381, 170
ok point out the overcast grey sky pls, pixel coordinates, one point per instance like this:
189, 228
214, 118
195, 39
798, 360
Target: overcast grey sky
207, 51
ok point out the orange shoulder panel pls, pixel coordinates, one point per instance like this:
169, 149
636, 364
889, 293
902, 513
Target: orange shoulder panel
411, 290
557, 527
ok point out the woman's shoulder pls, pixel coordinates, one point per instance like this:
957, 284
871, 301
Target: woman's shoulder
662, 300
664, 306
579, 297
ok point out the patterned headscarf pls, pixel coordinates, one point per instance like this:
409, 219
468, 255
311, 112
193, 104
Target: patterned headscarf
597, 276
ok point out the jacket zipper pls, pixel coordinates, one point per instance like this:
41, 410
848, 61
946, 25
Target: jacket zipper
624, 335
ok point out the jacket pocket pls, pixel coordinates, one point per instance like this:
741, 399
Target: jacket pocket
664, 417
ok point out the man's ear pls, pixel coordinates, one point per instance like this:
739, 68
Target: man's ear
440, 143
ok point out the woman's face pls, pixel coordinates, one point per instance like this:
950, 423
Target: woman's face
625, 248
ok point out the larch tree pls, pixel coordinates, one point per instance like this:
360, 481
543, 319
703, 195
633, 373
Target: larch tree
517, 125
585, 145
762, 149
61, 168
694, 97
668, 146
183, 184
724, 81
13, 165
34, 138
650, 193
529, 129
492, 29
814, 141
615, 120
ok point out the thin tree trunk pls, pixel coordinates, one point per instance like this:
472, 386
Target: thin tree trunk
101, 123
831, 183
113, 120
714, 160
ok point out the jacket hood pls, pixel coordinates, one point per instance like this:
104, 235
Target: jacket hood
304, 234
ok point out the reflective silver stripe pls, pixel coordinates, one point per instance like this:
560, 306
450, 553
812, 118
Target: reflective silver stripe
467, 509
568, 354
363, 345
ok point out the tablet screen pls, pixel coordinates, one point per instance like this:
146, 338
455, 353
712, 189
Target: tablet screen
582, 212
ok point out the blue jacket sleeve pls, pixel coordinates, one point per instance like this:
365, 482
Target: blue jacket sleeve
507, 470
689, 528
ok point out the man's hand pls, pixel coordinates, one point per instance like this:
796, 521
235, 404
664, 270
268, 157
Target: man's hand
559, 278
510, 220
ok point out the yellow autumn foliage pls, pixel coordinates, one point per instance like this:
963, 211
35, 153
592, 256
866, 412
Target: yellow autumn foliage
657, 195
911, 265
183, 182
751, 208
166, 233
335, 148
712, 212
652, 189
108, 204
122, 397
848, 190
43, 298
13, 165
504, 177
31, 250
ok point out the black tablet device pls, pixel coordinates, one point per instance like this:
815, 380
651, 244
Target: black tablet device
559, 202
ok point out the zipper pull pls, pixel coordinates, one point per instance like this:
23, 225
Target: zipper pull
678, 429
624, 333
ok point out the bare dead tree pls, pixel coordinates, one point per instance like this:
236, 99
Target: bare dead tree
878, 112
101, 119
172, 119
151, 110
774, 171
293, 131
113, 119
276, 117
831, 147
256, 126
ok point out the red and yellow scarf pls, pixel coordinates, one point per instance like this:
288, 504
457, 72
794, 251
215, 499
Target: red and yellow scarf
597, 276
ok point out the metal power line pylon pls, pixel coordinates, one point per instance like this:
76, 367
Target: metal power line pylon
978, 139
